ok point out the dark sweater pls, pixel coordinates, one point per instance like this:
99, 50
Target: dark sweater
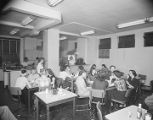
101, 85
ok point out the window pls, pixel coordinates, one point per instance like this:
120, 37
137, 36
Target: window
148, 39
104, 48
105, 43
9, 51
127, 41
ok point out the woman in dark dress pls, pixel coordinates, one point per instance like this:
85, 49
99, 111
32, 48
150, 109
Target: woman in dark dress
55, 81
100, 82
133, 86
133, 82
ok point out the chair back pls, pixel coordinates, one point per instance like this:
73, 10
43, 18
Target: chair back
142, 78
82, 104
99, 113
15, 91
99, 94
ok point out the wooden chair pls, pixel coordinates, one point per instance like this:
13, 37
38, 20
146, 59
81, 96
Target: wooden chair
117, 103
130, 98
82, 104
99, 113
96, 96
16, 97
144, 87
15, 91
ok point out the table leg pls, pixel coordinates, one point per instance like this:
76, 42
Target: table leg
37, 108
28, 101
73, 109
47, 110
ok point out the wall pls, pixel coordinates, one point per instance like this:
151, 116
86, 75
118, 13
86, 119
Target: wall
66, 46
139, 58
82, 48
32, 48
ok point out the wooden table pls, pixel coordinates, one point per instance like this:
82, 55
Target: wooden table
50, 100
128, 113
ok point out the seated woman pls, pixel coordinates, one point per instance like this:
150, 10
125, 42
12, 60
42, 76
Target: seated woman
120, 84
65, 72
91, 76
132, 81
104, 68
23, 83
111, 75
100, 82
80, 67
32, 77
132, 84
43, 81
82, 89
55, 81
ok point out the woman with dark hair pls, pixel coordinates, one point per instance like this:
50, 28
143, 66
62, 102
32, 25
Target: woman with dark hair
92, 67
65, 73
132, 81
104, 68
92, 74
132, 84
100, 82
121, 88
55, 81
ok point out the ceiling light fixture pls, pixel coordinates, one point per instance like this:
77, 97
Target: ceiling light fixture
87, 32
53, 3
63, 38
27, 20
14, 31
137, 22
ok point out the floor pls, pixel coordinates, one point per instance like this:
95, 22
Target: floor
62, 112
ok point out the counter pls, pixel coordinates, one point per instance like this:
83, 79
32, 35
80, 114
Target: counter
14, 74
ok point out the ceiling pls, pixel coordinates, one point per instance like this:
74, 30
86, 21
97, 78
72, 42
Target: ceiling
102, 16
29, 19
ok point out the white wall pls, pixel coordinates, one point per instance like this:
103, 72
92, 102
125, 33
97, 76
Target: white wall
67, 45
30, 48
82, 48
139, 58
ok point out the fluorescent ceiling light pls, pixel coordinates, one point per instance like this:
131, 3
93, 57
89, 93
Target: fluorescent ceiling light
63, 38
53, 3
27, 20
137, 22
14, 31
88, 32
